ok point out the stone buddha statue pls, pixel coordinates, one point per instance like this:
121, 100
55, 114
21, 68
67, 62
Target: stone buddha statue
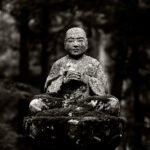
77, 76
76, 111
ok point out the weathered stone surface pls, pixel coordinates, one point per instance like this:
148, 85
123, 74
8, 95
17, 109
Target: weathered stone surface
64, 128
85, 116
75, 122
90, 69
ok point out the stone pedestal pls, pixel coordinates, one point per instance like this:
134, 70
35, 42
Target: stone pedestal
55, 129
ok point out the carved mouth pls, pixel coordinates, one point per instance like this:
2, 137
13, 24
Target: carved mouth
75, 50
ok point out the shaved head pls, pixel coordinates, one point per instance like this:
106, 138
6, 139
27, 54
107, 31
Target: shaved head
75, 31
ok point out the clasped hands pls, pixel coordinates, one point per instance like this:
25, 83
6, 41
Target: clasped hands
72, 75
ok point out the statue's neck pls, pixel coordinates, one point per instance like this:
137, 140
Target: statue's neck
76, 57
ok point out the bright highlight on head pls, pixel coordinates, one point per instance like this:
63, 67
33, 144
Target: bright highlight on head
75, 32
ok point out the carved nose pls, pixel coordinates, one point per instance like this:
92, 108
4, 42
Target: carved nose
75, 44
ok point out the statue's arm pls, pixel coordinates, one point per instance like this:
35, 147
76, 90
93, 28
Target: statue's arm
102, 77
99, 82
54, 79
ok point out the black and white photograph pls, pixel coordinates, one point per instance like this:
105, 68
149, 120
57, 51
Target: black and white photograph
74, 74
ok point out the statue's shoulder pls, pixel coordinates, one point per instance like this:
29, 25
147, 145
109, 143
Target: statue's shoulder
60, 61
92, 60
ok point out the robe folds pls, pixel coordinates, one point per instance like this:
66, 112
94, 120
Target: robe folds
91, 70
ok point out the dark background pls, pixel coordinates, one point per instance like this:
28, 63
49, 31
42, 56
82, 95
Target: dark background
31, 39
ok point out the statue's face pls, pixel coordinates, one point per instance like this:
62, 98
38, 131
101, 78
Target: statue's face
76, 42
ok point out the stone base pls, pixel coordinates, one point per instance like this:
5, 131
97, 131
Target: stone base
74, 132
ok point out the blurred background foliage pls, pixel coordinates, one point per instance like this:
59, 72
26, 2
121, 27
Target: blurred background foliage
32, 38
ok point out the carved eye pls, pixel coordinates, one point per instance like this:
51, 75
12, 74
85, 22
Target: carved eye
80, 40
70, 40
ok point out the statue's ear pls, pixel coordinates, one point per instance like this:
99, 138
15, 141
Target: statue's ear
65, 44
86, 40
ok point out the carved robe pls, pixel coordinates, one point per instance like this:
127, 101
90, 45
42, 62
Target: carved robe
92, 70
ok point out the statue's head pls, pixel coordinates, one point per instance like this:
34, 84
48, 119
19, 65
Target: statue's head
76, 42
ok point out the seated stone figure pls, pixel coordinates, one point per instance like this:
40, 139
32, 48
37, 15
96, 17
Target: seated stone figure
77, 76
